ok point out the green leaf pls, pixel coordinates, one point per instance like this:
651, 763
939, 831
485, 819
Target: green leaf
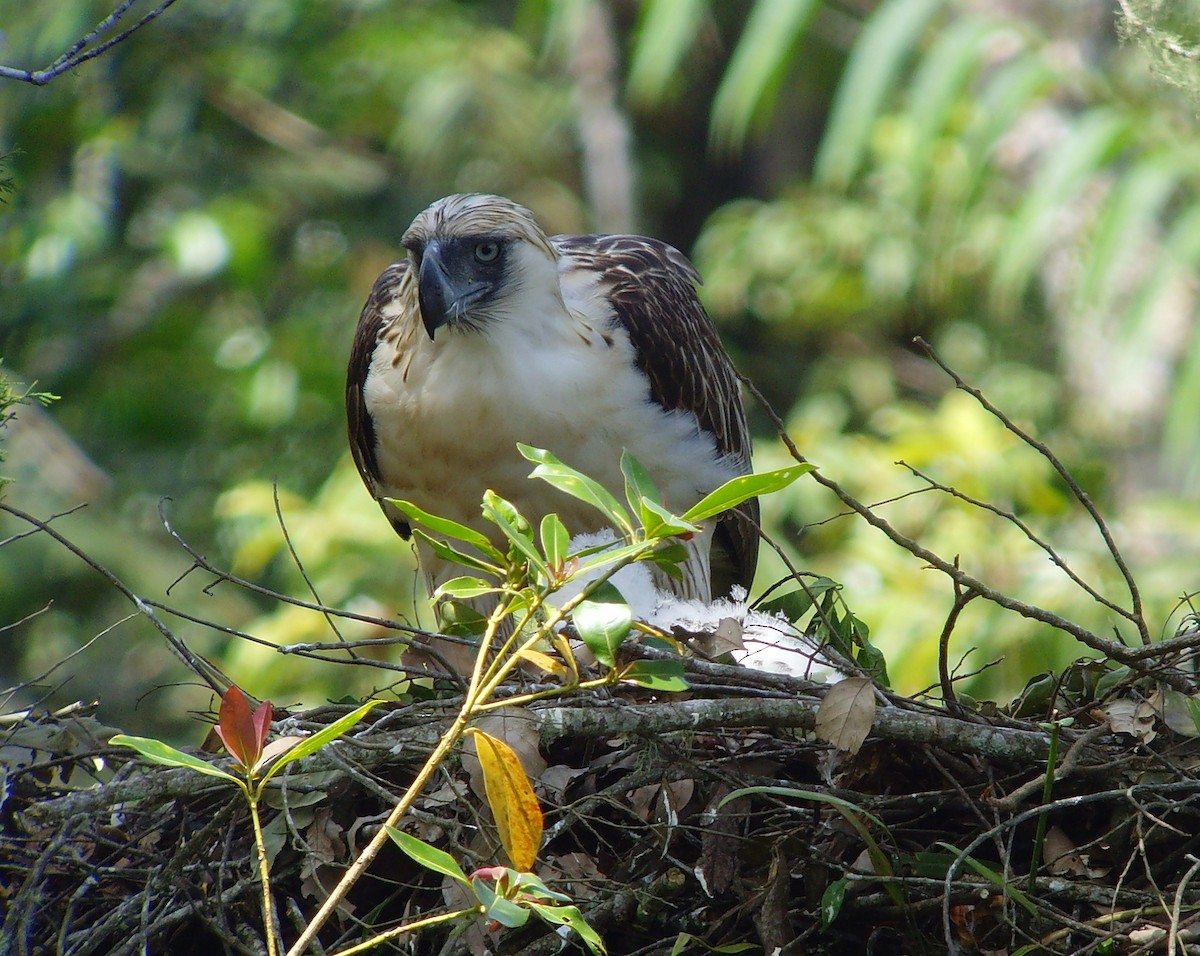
603, 621
658, 522
461, 620
1094, 139
738, 490
578, 485
513, 525
638, 483
604, 556
496, 907
684, 940
158, 752
832, 900
449, 528
556, 541
995, 878
310, 745
656, 675
795, 604
529, 883
759, 63
851, 813
665, 30
669, 555
871, 72
452, 554
464, 588
569, 916
428, 856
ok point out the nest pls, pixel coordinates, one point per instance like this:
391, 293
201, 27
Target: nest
715, 816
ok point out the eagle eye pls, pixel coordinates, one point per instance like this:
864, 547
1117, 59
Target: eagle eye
487, 251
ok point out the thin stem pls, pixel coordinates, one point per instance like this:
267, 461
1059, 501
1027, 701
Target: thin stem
408, 928
367, 857
1136, 614
264, 873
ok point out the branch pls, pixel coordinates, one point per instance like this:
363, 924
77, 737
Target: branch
79, 52
1136, 615
202, 668
1135, 658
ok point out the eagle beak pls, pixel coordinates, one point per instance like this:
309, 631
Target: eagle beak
436, 291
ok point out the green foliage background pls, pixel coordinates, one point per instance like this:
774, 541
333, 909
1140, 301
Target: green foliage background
196, 218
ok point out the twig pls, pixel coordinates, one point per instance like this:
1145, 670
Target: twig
202, 668
1056, 559
1133, 657
312, 588
201, 563
962, 597
1137, 617
78, 53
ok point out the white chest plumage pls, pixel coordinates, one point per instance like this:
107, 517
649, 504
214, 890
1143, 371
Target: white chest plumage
491, 334
448, 414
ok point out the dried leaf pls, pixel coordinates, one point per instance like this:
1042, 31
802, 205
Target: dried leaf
845, 716
1133, 717
511, 797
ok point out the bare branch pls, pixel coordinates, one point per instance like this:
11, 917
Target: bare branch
202, 668
1132, 657
87, 47
1137, 616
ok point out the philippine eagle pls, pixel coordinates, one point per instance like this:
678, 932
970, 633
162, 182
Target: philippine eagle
492, 333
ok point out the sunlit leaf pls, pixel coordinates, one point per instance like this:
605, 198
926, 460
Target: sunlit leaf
513, 525
543, 662
738, 490
428, 856
158, 752
449, 528
571, 917
638, 483
510, 795
464, 588
665, 30
577, 485
888, 38
556, 540
757, 68
315, 742
603, 621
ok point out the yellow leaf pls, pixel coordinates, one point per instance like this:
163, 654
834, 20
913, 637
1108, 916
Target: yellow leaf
511, 797
543, 662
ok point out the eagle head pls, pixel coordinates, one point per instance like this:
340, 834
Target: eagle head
471, 255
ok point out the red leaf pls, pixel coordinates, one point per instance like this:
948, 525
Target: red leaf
242, 731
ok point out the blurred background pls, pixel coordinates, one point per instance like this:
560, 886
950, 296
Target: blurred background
196, 217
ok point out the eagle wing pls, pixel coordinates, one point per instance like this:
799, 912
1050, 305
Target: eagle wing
358, 420
652, 289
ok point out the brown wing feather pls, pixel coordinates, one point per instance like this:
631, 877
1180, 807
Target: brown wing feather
652, 288
358, 419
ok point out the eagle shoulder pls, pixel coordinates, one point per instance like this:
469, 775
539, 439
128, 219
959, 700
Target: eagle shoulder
371, 324
651, 288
